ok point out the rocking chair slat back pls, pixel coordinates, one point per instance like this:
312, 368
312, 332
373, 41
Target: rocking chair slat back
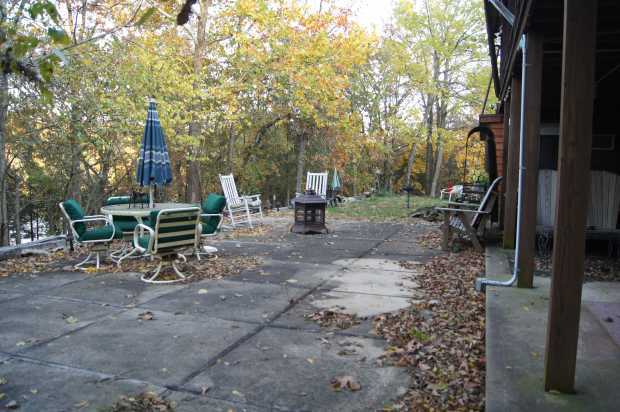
230, 190
487, 204
318, 183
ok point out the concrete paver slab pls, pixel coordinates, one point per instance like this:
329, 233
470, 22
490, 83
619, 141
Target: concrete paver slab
374, 263
230, 300
40, 282
4, 295
28, 321
373, 281
295, 373
36, 387
114, 288
295, 274
185, 402
162, 351
296, 317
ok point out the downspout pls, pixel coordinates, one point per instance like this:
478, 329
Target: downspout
482, 282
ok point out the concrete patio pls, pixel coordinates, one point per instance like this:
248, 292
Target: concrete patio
74, 341
516, 331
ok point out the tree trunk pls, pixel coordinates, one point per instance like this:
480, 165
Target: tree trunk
429, 115
410, 162
429, 145
18, 220
301, 160
4, 105
75, 176
437, 172
231, 150
194, 190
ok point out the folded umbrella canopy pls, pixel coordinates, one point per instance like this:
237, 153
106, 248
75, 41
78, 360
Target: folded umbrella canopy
336, 181
154, 161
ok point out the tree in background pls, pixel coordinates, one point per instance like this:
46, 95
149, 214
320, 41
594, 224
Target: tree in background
265, 89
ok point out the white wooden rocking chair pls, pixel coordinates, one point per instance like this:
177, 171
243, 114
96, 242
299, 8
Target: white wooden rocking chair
240, 209
469, 223
318, 183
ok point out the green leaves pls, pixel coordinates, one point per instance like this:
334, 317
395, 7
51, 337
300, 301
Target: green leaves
58, 36
147, 15
41, 8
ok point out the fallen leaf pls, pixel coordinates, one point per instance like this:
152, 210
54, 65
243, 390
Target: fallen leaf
310, 361
202, 291
148, 315
3, 380
81, 404
345, 382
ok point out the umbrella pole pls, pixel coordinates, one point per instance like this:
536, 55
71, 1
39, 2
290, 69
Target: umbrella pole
151, 193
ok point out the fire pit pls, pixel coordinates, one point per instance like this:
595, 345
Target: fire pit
309, 214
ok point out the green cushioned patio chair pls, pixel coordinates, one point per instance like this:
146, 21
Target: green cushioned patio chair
169, 233
98, 237
211, 220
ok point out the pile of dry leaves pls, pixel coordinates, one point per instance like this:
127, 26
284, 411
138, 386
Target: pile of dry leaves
430, 239
259, 231
597, 268
207, 268
441, 338
44, 262
144, 402
333, 318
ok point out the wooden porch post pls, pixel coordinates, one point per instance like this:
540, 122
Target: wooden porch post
502, 197
512, 165
533, 86
578, 60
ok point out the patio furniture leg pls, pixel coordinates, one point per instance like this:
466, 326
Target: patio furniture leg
180, 274
247, 212
125, 256
473, 236
209, 251
85, 261
97, 254
445, 227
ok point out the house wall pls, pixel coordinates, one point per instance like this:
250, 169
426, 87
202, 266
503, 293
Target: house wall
495, 122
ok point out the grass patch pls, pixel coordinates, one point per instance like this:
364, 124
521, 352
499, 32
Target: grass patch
382, 208
418, 335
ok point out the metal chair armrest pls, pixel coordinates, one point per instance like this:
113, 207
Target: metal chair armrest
99, 218
450, 209
136, 236
219, 225
461, 204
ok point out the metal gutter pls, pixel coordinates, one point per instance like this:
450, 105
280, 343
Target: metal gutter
503, 10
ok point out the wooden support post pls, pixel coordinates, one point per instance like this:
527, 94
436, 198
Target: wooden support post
578, 60
533, 94
512, 165
502, 187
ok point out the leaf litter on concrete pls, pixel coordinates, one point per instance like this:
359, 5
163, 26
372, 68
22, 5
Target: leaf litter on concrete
441, 336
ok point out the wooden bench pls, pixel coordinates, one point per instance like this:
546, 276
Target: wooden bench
468, 219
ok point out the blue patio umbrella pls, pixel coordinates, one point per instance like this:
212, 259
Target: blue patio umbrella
336, 181
154, 161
